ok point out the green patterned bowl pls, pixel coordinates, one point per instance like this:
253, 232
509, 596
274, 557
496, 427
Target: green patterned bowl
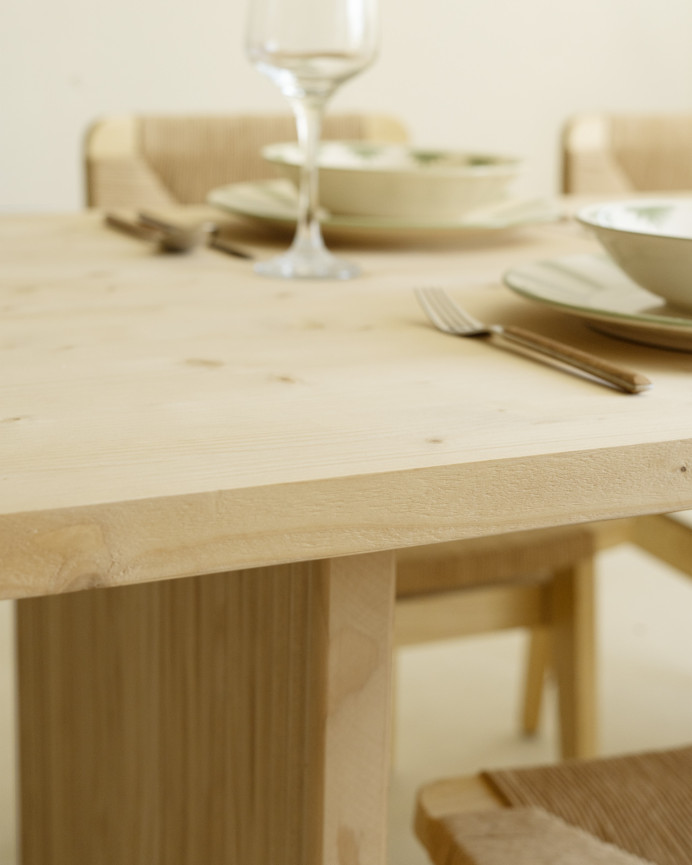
650, 240
364, 178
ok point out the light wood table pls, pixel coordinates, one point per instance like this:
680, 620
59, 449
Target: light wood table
205, 478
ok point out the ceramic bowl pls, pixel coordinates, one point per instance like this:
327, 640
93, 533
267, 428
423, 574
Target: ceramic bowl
362, 178
651, 240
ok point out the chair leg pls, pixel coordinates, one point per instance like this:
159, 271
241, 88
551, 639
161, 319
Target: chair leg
394, 715
537, 665
574, 658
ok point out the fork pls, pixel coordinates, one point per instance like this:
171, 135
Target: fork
449, 317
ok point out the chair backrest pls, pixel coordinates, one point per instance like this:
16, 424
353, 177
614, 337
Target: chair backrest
618, 152
137, 160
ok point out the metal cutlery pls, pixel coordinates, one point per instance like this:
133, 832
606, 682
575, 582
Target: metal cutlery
172, 237
205, 232
449, 317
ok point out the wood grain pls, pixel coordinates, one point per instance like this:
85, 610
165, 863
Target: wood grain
223, 710
440, 799
142, 540
164, 417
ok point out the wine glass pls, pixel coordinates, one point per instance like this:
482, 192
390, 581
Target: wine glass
309, 48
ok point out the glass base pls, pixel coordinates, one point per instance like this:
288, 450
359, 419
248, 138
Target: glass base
313, 264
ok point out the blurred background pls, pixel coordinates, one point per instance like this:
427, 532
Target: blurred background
501, 76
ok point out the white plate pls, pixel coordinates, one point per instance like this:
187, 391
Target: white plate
273, 202
594, 288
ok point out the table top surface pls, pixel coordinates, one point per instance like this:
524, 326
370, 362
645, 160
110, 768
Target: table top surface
167, 415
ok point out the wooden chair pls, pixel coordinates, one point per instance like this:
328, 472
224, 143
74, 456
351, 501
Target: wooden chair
539, 580
159, 160
542, 581
616, 811
613, 153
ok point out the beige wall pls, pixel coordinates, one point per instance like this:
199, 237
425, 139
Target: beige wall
498, 74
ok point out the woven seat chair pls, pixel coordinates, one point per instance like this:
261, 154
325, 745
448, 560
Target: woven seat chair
541, 581
612, 153
159, 160
624, 810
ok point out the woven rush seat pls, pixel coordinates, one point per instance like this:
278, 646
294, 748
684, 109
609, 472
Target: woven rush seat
625, 809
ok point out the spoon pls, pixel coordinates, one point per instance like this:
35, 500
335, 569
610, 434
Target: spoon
177, 238
172, 237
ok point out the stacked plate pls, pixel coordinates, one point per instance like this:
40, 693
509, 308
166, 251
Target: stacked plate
641, 288
391, 188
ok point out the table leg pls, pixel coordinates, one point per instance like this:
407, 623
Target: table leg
223, 719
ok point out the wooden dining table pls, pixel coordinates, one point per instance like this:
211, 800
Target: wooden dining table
205, 478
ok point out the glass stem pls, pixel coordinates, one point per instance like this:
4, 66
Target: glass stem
308, 111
